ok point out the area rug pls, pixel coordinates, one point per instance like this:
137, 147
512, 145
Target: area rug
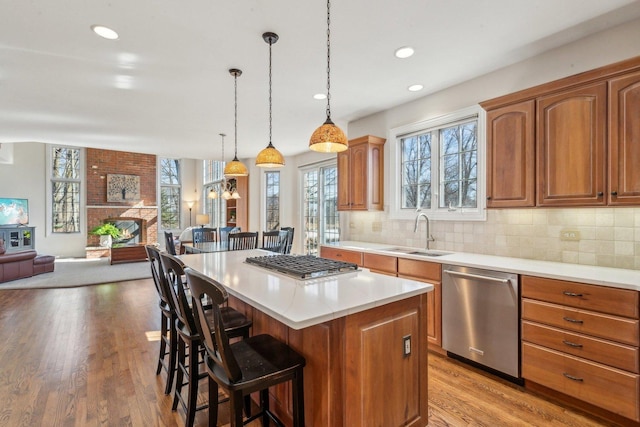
72, 272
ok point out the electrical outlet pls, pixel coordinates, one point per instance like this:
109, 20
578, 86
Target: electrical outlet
570, 234
406, 344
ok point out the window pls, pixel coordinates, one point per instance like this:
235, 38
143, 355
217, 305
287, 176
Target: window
170, 189
65, 189
320, 210
439, 167
213, 185
272, 206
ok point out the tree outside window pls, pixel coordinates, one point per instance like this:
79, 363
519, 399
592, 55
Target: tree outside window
65, 187
272, 191
170, 194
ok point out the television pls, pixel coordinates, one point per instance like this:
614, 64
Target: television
14, 211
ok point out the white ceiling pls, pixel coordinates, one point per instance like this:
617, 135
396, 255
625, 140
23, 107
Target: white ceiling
163, 87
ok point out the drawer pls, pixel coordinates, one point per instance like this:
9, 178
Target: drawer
619, 329
621, 302
380, 263
420, 270
600, 385
602, 351
341, 255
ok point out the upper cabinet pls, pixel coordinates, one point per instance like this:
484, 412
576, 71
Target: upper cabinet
511, 156
571, 142
361, 174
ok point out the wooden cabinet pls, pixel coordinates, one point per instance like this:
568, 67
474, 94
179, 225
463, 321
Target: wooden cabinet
511, 156
238, 209
571, 147
582, 340
429, 272
341, 255
361, 175
584, 130
624, 140
382, 264
18, 239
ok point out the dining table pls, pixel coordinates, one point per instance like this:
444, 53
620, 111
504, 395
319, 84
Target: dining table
205, 247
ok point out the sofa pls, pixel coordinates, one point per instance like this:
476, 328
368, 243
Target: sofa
18, 265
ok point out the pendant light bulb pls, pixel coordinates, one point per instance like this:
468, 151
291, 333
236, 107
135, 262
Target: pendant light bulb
235, 167
328, 138
270, 157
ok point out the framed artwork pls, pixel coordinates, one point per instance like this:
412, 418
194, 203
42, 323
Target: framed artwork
123, 188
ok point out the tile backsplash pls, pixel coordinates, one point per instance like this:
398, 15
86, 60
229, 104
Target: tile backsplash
608, 237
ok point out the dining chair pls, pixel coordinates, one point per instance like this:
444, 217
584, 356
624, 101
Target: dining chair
289, 231
242, 241
170, 244
224, 232
168, 339
204, 234
190, 341
274, 240
243, 367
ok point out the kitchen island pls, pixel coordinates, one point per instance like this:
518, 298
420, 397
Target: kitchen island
362, 334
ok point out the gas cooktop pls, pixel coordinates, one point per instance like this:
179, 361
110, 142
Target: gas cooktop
302, 266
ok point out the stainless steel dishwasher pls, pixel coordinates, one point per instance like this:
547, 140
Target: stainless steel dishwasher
480, 317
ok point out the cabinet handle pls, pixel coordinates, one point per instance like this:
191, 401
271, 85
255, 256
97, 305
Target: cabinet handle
489, 198
571, 294
614, 193
571, 377
569, 319
571, 344
600, 194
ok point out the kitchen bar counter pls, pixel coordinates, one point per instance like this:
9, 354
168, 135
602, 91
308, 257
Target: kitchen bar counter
301, 303
605, 276
363, 335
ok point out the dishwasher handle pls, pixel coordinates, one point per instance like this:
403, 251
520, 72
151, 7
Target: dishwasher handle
477, 276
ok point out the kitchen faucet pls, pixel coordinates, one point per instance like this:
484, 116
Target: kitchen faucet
429, 238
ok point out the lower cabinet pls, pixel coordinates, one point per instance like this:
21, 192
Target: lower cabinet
582, 340
18, 239
341, 255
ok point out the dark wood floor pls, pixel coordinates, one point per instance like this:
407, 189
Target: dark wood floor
86, 357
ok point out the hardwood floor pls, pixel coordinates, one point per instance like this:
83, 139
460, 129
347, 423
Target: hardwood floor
86, 357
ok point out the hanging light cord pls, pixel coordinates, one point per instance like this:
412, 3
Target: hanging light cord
235, 112
270, 126
328, 60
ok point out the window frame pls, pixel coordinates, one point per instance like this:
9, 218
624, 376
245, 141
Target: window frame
395, 168
82, 218
178, 186
217, 183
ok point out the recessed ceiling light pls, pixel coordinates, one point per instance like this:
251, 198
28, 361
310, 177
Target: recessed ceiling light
319, 96
104, 32
415, 88
404, 52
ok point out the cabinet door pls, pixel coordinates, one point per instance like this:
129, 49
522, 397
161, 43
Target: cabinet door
358, 172
511, 156
571, 143
344, 194
624, 140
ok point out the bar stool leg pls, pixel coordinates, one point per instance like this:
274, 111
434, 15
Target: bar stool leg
297, 387
180, 375
213, 402
235, 408
192, 397
173, 350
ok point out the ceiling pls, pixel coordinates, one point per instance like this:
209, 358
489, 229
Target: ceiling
164, 88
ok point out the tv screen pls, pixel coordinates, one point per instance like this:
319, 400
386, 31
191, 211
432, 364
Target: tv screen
14, 211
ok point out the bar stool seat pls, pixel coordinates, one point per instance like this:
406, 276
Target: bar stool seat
243, 367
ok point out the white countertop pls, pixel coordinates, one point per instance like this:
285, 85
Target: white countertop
301, 303
606, 276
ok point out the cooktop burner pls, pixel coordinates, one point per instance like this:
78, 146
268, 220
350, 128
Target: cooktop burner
302, 266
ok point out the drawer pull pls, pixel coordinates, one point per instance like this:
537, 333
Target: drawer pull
569, 319
572, 344
571, 377
571, 294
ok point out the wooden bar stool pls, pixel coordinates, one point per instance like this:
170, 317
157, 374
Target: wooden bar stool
190, 341
243, 367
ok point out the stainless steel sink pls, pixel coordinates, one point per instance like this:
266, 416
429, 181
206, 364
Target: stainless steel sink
412, 251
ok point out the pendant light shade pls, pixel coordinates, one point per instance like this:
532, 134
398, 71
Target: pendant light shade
270, 157
328, 138
235, 167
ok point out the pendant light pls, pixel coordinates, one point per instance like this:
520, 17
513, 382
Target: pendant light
236, 167
328, 138
270, 157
